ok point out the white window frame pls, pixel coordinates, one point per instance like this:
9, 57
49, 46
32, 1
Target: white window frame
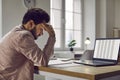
63, 48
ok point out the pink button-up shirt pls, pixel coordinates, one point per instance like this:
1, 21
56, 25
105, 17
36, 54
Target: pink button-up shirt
19, 53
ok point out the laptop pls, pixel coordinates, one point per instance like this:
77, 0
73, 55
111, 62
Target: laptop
106, 51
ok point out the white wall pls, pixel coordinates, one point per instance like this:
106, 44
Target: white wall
117, 13
100, 18
89, 21
108, 17
105, 18
13, 11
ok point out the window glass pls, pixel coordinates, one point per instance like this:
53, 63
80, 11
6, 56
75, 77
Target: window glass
56, 18
58, 37
77, 21
77, 6
66, 19
69, 20
69, 5
56, 4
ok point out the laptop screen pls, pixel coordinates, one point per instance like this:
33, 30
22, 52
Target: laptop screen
107, 48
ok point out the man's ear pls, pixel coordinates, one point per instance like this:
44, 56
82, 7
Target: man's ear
31, 24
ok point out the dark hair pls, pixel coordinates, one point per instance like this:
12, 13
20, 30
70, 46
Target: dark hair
37, 15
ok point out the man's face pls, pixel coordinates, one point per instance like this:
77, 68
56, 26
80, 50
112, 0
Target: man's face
37, 31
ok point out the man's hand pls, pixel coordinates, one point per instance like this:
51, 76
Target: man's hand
49, 29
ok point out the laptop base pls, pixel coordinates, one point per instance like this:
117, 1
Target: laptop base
94, 63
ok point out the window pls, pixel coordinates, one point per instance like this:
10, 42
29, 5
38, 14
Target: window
66, 18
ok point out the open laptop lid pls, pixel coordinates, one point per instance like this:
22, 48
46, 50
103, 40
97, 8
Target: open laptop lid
107, 49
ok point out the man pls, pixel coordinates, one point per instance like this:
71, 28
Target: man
18, 50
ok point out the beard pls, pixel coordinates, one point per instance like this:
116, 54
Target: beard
33, 31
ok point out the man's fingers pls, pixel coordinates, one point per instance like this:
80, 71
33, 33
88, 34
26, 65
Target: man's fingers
43, 26
48, 28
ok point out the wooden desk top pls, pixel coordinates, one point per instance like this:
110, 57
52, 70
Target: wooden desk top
87, 72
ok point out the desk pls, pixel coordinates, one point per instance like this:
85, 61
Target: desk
81, 72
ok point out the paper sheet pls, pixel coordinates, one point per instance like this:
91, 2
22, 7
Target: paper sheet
62, 63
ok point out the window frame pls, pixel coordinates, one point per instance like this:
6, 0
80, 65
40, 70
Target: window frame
62, 46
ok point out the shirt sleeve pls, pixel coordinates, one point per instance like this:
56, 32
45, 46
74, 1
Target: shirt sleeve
30, 49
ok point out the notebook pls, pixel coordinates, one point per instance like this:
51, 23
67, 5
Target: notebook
106, 51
